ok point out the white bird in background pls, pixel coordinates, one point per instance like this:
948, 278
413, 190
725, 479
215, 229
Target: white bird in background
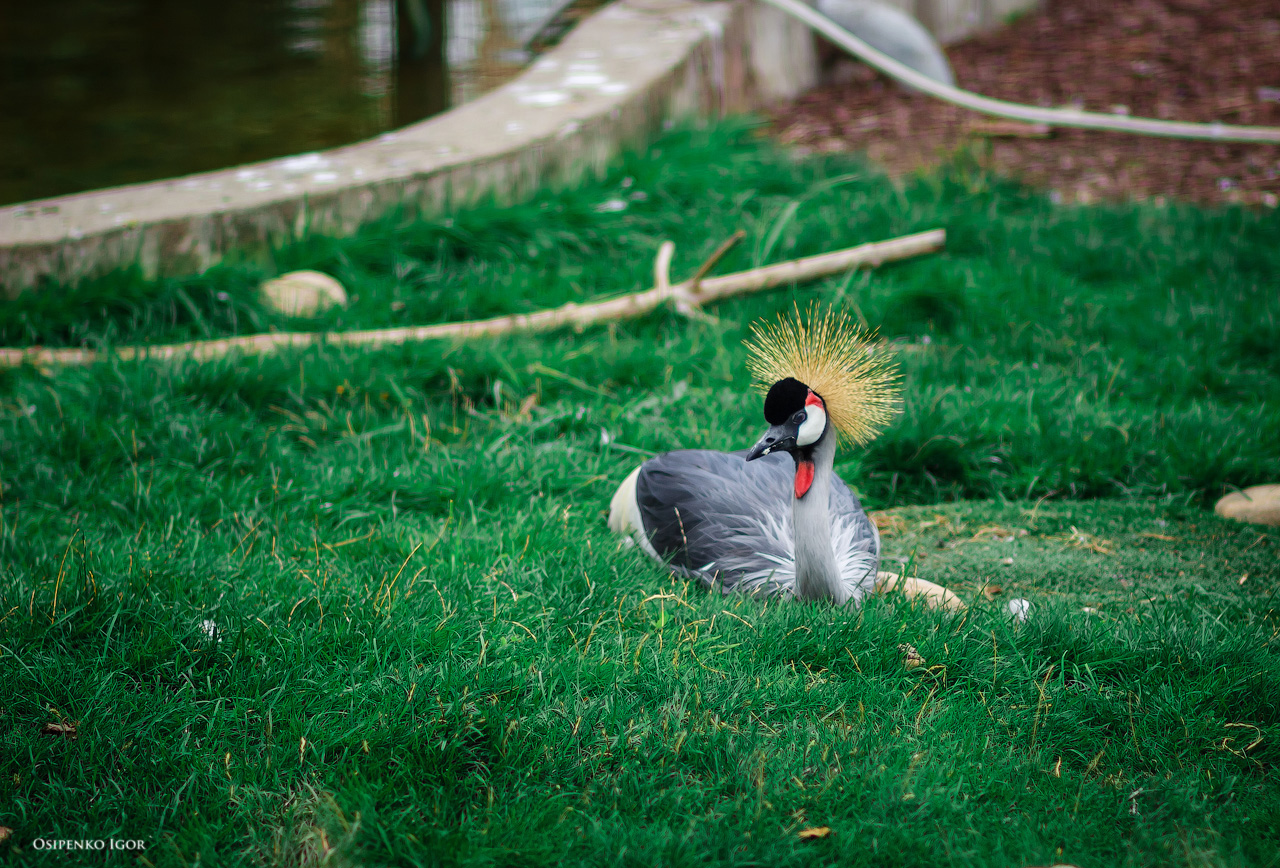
893, 31
776, 519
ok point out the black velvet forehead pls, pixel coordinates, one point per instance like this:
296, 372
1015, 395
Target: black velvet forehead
784, 398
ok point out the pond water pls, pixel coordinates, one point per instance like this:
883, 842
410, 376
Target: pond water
96, 93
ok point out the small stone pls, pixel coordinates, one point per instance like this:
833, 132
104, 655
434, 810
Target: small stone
303, 293
1259, 504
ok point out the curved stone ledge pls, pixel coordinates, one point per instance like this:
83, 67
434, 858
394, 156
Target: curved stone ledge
617, 78
614, 81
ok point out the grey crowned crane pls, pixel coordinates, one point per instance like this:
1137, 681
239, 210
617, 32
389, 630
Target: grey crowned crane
775, 519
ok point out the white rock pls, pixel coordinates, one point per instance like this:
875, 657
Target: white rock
1259, 504
1020, 608
892, 31
303, 293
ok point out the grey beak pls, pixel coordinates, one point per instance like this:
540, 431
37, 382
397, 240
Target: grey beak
777, 438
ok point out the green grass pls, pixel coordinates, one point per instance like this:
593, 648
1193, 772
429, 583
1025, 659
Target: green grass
429, 650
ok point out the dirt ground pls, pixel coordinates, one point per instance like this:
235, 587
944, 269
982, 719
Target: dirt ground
1190, 60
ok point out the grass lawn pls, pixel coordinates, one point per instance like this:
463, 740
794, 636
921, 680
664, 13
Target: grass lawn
359, 607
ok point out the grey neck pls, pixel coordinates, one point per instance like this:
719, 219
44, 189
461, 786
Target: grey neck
817, 577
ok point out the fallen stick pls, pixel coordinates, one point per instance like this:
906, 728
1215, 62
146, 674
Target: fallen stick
1008, 130
695, 282
708, 289
935, 596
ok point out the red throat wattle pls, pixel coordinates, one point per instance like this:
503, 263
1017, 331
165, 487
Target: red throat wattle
804, 477
804, 470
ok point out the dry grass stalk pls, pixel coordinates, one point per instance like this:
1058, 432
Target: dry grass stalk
572, 314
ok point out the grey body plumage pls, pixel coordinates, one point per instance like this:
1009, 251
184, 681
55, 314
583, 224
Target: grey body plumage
728, 522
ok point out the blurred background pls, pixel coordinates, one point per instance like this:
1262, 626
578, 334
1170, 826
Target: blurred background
96, 93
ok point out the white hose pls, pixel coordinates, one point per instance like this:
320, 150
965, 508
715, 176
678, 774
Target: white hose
1058, 117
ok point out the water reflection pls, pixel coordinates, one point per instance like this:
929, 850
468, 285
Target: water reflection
97, 93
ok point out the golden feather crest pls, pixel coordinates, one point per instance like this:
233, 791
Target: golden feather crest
835, 358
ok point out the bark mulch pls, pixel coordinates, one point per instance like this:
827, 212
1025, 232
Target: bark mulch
1191, 60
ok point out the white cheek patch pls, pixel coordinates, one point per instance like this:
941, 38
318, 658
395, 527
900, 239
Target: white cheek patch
812, 427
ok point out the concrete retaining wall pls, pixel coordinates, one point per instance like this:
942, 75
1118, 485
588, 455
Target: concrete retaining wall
616, 80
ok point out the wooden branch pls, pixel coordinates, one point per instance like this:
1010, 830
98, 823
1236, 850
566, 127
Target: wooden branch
935, 596
572, 314
662, 269
1008, 130
695, 282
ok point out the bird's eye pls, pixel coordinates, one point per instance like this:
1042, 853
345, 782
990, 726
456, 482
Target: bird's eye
799, 417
